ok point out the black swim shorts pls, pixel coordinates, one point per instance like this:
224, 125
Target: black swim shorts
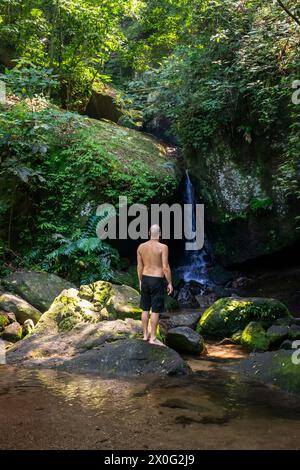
152, 294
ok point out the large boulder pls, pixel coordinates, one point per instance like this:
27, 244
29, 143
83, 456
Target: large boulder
23, 310
39, 289
281, 368
229, 315
184, 339
255, 338
128, 358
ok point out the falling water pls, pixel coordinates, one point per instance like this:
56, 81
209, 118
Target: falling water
195, 261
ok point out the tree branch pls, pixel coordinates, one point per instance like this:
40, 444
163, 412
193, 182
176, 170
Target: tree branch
294, 17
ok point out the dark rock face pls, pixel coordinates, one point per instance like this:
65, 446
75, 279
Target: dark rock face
277, 334
184, 339
103, 106
294, 332
244, 200
287, 344
39, 289
128, 358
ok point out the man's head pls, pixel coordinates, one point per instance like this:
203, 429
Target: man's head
154, 232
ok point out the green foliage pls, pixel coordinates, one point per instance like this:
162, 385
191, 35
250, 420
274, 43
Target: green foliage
72, 38
257, 204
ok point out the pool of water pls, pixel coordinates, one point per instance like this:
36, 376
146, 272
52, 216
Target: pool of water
211, 409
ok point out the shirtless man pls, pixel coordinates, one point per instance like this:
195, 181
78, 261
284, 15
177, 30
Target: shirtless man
153, 267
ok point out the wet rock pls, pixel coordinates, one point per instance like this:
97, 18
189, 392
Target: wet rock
184, 339
220, 276
39, 289
279, 368
22, 310
186, 298
294, 332
125, 358
287, 344
229, 315
254, 337
277, 333
237, 337
12, 332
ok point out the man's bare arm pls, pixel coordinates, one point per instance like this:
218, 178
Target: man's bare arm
140, 267
166, 269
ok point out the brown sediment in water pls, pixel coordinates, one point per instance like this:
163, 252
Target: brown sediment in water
212, 409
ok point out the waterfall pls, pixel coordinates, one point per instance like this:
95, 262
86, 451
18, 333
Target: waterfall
195, 261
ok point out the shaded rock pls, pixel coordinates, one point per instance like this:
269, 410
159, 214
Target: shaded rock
184, 339
255, 338
39, 289
287, 344
284, 321
189, 319
12, 332
19, 307
294, 332
229, 315
236, 337
206, 300
279, 368
277, 333
102, 105
128, 358
171, 304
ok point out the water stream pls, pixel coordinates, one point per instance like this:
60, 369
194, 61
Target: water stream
194, 267
212, 409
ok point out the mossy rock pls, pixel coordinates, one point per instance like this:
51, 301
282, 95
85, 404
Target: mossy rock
92, 303
277, 334
22, 309
255, 338
236, 337
281, 368
4, 321
39, 289
229, 315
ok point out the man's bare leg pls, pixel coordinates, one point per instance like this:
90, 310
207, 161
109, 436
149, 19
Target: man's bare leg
145, 323
154, 324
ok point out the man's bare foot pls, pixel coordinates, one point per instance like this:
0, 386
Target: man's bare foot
146, 338
156, 341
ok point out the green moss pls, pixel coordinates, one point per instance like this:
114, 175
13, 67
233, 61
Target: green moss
254, 337
285, 372
229, 315
3, 321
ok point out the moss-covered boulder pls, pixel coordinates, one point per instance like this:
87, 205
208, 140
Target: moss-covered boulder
277, 334
281, 368
39, 289
255, 338
22, 309
294, 332
186, 340
229, 315
119, 301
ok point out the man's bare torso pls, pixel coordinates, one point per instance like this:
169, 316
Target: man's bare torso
151, 253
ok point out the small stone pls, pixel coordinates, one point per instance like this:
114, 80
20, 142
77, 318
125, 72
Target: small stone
12, 332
